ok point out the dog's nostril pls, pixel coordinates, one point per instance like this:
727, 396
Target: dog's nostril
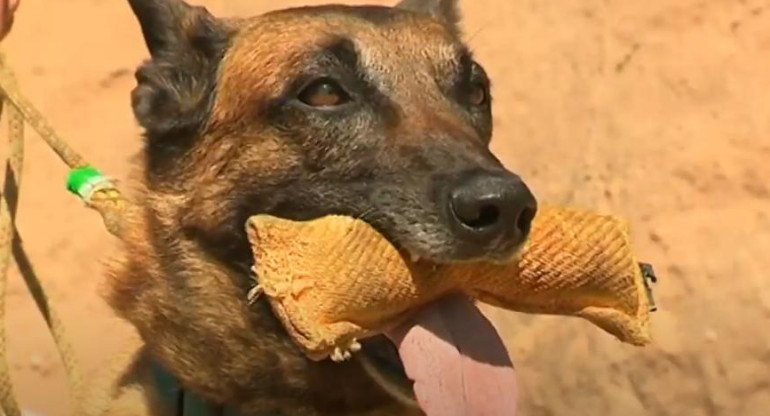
524, 222
480, 216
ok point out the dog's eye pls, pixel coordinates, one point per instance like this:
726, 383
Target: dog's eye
478, 86
478, 94
323, 93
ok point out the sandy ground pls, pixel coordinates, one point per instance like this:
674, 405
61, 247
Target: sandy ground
653, 110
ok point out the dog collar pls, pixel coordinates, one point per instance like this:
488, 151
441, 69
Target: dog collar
186, 402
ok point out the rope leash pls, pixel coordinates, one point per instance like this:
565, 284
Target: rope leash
8, 205
97, 191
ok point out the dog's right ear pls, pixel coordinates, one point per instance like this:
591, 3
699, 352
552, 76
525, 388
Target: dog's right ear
186, 44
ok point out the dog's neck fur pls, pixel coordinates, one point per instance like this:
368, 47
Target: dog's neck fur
191, 312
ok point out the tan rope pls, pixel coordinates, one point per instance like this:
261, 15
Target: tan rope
36, 120
108, 201
8, 205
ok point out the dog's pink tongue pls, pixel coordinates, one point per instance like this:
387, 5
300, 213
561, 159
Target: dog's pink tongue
458, 363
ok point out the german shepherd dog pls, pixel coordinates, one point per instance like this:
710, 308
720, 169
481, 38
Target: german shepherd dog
379, 113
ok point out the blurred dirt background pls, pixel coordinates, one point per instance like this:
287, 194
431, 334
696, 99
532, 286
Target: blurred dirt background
655, 110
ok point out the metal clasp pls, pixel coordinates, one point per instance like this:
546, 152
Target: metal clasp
650, 279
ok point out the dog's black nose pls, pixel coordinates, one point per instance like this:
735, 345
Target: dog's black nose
489, 207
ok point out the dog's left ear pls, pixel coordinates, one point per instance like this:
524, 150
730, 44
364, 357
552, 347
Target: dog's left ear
445, 11
175, 27
174, 87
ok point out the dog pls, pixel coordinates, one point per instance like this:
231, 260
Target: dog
380, 113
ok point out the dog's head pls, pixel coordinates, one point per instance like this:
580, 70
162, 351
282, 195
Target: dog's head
375, 112
380, 113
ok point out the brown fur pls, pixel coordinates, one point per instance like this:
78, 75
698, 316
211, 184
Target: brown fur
223, 142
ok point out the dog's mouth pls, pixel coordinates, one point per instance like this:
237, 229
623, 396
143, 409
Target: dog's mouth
444, 358
447, 359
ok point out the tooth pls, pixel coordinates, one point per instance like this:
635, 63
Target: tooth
254, 293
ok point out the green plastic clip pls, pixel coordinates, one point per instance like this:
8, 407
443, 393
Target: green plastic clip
84, 180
